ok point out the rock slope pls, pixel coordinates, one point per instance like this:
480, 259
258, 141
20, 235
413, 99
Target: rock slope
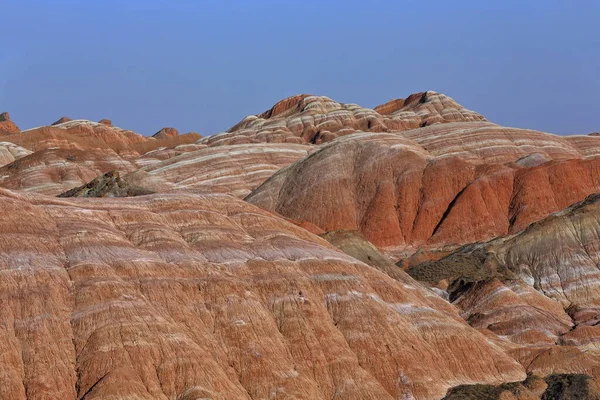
205, 296
536, 289
235, 169
446, 184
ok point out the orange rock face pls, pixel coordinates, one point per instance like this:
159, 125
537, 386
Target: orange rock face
187, 292
446, 184
537, 290
7, 127
188, 296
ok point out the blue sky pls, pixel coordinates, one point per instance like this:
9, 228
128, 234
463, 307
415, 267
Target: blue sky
203, 65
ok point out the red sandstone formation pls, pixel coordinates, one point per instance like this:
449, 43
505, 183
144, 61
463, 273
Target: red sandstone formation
318, 119
446, 184
192, 293
195, 296
538, 290
7, 127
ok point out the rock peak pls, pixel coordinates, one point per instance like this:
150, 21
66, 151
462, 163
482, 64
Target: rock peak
5, 116
165, 133
62, 120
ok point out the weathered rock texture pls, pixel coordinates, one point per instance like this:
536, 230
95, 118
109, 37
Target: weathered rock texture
108, 185
445, 184
318, 119
7, 127
236, 169
10, 152
54, 171
537, 289
166, 133
191, 293
84, 134
205, 296
554, 387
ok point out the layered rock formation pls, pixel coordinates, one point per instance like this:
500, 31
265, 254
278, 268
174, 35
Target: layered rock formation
10, 152
236, 169
205, 296
84, 134
191, 293
318, 119
445, 184
537, 290
54, 171
165, 133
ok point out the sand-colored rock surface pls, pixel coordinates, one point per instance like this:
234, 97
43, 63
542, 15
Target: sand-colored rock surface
54, 171
319, 119
236, 169
205, 296
10, 152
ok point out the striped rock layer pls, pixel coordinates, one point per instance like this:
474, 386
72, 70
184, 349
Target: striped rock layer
445, 184
318, 119
205, 296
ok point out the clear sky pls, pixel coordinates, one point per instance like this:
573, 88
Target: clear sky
204, 65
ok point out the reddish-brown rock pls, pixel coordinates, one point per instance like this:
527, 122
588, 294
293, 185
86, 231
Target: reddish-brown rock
537, 289
445, 184
108, 185
195, 296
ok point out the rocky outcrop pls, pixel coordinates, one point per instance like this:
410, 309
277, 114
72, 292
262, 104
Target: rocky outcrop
557, 386
108, 185
442, 185
195, 296
318, 119
7, 127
